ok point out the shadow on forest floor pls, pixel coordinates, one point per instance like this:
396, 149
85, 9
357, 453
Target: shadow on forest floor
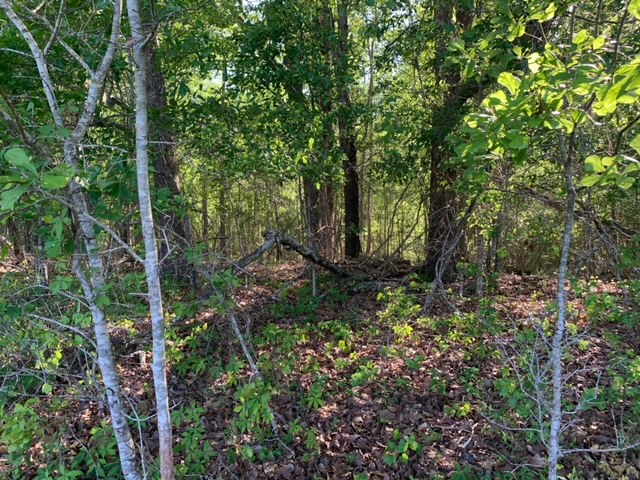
363, 386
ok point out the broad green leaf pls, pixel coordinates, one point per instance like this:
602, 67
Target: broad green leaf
546, 14
497, 98
511, 82
624, 182
9, 198
590, 180
102, 300
54, 182
60, 283
47, 388
457, 44
593, 164
567, 123
516, 31
634, 8
624, 90
628, 99
19, 159
632, 168
581, 37
5, 179
635, 143
521, 156
516, 141
53, 247
598, 43
534, 62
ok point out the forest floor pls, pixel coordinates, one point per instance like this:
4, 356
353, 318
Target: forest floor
362, 385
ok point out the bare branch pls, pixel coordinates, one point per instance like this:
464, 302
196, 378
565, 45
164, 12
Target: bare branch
98, 223
41, 62
64, 326
55, 29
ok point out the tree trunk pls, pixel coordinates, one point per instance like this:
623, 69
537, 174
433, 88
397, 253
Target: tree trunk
172, 219
13, 234
151, 265
223, 231
352, 227
480, 262
320, 209
205, 211
557, 345
445, 118
442, 213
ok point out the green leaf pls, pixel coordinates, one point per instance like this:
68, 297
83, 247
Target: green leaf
632, 168
534, 62
624, 182
9, 198
546, 14
47, 388
53, 247
635, 143
516, 31
581, 37
457, 44
102, 300
19, 159
509, 81
590, 180
593, 164
634, 8
598, 43
497, 98
516, 141
54, 182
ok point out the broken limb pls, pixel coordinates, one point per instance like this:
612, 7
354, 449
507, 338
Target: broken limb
273, 238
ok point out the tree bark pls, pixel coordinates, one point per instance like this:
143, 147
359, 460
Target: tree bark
173, 221
347, 138
480, 264
151, 263
443, 206
557, 345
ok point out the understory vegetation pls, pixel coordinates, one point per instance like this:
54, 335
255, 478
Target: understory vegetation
360, 383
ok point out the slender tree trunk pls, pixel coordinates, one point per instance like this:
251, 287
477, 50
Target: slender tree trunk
495, 256
347, 137
106, 363
442, 212
14, 238
205, 211
480, 262
151, 252
223, 231
557, 346
320, 213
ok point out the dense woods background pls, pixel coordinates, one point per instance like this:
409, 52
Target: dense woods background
443, 196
